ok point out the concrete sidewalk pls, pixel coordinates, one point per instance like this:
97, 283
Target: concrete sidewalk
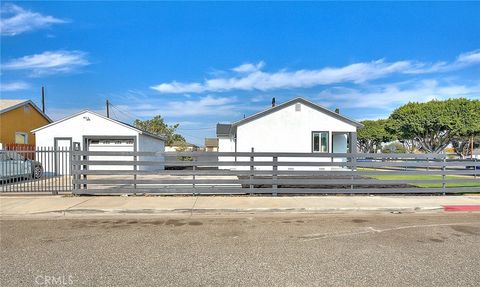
105, 205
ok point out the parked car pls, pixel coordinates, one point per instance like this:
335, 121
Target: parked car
14, 166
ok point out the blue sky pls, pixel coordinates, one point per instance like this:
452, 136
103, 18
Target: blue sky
201, 63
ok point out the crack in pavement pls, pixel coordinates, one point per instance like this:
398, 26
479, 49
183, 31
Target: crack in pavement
311, 237
193, 206
76, 205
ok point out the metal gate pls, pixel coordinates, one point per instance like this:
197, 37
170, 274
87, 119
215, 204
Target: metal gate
41, 169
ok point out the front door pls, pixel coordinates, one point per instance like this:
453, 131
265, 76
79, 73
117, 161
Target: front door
340, 144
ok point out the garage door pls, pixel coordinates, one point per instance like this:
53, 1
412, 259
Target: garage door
111, 144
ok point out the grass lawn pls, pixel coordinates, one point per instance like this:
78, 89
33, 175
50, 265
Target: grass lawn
427, 177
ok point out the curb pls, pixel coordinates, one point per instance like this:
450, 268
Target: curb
474, 207
206, 211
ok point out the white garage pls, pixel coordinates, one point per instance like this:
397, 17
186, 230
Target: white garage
95, 132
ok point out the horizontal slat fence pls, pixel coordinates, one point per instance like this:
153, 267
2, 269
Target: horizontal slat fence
109, 172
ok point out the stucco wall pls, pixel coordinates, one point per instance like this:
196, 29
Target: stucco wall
226, 144
89, 124
147, 143
80, 125
288, 130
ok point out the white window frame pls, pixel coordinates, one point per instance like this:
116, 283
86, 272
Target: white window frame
320, 141
21, 133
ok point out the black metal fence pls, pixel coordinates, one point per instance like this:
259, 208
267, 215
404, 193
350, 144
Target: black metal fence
103, 172
43, 169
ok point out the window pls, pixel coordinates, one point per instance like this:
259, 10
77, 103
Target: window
21, 138
320, 141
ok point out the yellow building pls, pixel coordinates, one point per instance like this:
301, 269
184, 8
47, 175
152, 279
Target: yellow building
17, 119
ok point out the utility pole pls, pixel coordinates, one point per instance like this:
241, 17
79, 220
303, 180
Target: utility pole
43, 99
108, 108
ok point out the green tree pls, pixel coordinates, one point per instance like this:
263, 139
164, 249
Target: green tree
435, 124
463, 145
372, 135
157, 126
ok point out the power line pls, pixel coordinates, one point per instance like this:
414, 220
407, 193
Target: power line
114, 114
192, 136
196, 129
134, 117
127, 114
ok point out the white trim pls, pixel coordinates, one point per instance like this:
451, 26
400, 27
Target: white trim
320, 141
26, 102
294, 101
103, 117
24, 134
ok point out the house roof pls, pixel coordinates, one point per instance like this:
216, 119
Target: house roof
223, 129
8, 105
211, 142
104, 117
294, 101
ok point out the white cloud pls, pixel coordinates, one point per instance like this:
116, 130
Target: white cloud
249, 67
251, 77
390, 96
203, 106
472, 57
14, 86
263, 81
463, 60
176, 88
48, 62
16, 20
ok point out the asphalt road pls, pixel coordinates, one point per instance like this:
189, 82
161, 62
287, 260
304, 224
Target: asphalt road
437, 249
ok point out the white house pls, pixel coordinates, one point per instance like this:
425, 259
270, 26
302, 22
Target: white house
297, 125
181, 146
95, 132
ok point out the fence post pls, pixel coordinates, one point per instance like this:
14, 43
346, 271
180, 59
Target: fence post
275, 175
444, 184
194, 168
251, 168
475, 169
75, 167
135, 168
353, 158
84, 167
55, 173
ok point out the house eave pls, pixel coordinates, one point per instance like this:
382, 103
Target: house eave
291, 102
27, 102
142, 132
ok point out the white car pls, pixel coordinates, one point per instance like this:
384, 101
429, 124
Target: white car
14, 166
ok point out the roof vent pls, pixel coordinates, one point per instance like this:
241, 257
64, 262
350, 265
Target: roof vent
298, 107
273, 102
337, 110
